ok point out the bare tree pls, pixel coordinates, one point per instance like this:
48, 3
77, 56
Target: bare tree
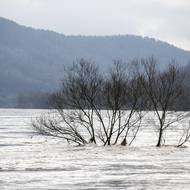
122, 93
185, 136
92, 108
74, 104
163, 89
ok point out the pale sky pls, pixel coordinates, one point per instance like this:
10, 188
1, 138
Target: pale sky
167, 20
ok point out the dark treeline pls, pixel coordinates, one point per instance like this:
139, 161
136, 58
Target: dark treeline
118, 100
33, 101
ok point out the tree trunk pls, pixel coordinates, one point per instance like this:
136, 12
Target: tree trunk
160, 137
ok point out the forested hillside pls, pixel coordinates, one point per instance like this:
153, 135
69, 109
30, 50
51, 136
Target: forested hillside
32, 61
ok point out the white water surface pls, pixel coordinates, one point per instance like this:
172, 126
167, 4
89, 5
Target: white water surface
32, 162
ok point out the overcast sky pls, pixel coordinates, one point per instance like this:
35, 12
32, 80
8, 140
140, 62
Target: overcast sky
167, 20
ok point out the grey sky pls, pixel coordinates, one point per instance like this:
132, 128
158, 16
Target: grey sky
167, 20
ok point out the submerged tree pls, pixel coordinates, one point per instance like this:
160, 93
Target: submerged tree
75, 104
122, 94
163, 89
91, 108
107, 108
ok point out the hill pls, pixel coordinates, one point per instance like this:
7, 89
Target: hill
32, 60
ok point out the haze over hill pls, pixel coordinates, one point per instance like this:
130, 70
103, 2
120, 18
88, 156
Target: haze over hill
32, 60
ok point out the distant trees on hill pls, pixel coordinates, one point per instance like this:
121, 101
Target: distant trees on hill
32, 61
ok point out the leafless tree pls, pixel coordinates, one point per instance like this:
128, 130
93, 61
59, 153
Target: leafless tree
122, 95
75, 104
94, 108
163, 89
185, 136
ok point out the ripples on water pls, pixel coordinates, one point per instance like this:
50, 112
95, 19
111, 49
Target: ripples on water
31, 162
